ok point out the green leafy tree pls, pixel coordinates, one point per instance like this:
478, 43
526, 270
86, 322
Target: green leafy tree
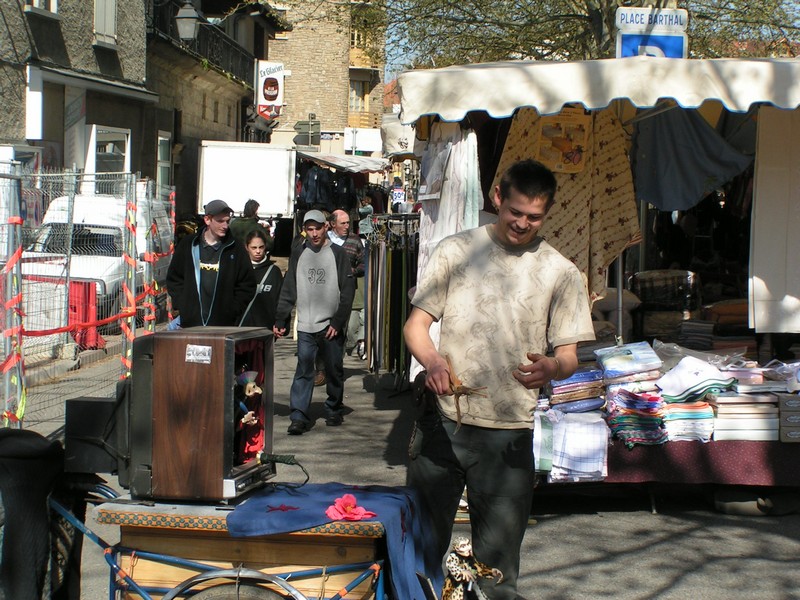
437, 33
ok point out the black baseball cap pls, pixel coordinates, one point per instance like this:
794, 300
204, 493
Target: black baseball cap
217, 207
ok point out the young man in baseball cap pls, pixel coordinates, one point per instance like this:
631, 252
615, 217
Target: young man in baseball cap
319, 282
210, 279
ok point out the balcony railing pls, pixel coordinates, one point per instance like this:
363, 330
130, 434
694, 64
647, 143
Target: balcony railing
212, 44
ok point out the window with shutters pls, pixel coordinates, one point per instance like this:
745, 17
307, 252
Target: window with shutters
105, 22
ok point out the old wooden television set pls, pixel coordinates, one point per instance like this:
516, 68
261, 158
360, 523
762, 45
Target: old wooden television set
189, 392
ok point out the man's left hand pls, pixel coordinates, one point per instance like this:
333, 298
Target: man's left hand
331, 333
537, 373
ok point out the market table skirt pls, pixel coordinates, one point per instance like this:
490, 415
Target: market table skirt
722, 462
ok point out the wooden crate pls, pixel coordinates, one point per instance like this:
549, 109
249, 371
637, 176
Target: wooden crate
270, 554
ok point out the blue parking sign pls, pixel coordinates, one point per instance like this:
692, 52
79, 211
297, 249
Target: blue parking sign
657, 44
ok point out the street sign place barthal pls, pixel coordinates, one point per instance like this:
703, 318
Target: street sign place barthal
651, 19
651, 32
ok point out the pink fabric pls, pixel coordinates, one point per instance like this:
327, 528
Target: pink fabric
347, 509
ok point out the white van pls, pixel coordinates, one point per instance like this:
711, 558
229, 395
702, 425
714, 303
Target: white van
97, 237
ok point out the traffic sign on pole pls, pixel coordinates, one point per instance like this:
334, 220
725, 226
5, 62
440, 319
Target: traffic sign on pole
310, 129
656, 44
648, 31
306, 127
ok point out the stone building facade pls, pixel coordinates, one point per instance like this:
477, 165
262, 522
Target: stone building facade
73, 78
329, 77
109, 85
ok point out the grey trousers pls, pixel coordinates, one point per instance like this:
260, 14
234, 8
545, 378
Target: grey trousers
355, 329
496, 465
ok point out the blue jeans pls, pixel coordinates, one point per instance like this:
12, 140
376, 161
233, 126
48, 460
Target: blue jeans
303, 385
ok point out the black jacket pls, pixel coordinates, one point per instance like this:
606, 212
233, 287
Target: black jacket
265, 302
235, 285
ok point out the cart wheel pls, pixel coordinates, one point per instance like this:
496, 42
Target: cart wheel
242, 586
233, 591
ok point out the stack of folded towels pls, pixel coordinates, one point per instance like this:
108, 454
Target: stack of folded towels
582, 392
635, 408
637, 418
687, 414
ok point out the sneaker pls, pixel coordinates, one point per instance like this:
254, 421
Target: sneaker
360, 349
334, 420
319, 379
297, 428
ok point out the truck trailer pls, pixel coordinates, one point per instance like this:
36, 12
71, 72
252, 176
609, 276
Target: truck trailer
238, 171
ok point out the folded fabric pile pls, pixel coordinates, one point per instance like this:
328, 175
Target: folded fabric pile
634, 406
691, 379
751, 416
637, 418
689, 421
582, 392
696, 334
631, 367
636, 382
687, 414
627, 359
744, 375
580, 448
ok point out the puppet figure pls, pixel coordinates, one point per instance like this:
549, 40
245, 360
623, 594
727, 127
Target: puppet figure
250, 430
461, 581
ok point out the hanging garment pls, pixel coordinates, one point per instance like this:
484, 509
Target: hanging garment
460, 189
595, 216
679, 159
316, 188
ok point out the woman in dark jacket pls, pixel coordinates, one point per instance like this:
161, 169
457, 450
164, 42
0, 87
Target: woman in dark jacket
261, 310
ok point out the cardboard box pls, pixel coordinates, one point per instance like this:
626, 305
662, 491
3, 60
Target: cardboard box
788, 401
790, 434
790, 418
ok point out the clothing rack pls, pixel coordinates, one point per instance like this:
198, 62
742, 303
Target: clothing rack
391, 272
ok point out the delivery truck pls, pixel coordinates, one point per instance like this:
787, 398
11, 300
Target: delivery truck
237, 171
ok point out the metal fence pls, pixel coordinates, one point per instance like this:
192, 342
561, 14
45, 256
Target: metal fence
84, 264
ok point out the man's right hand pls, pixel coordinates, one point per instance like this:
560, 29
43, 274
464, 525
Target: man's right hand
278, 332
438, 376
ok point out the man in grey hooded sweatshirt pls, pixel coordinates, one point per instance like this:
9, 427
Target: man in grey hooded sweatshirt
319, 281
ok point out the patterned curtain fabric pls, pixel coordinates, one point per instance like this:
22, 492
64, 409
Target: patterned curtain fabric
595, 216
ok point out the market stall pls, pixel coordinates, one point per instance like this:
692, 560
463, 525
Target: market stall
579, 118
331, 181
449, 105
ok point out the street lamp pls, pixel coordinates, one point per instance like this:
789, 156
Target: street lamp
188, 21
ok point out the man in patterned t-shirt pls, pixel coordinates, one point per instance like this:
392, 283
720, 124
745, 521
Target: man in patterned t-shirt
502, 295
319, 281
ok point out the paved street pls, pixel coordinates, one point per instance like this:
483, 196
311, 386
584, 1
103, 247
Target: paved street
598, 545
